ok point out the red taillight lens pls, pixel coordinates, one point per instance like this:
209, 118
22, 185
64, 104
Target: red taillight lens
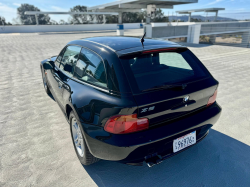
212, 99
126, 124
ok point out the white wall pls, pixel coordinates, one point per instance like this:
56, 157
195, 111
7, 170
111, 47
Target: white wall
131, 25
191, 23
64, 28
171, 24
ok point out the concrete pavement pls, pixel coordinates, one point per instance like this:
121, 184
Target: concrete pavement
35, 143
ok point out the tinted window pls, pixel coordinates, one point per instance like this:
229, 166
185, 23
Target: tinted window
59, 58
69, 59
90, 68
157, 69
174, 60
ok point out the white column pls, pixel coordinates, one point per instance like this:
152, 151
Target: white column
212, 39
148, 26
216, 15
148, 30
120, 18
189, 17
194, 33
148, 20
37, 22
120, 26
95, 19
104, 19
150, 13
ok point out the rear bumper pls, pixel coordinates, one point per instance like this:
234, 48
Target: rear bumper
154, 159
200, 122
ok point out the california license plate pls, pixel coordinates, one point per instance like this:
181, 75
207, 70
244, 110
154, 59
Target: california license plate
184, 141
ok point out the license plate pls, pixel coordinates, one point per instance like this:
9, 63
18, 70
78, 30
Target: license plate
184, 141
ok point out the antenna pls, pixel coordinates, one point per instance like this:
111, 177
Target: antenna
142, 40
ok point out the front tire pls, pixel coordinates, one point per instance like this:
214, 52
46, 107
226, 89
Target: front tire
45, 83
81, 149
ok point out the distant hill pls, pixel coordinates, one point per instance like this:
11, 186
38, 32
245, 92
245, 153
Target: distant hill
202, 18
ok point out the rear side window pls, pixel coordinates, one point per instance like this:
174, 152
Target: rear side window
90, 68
69, 59
162, 68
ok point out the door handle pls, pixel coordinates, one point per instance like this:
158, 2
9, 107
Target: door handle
66, 87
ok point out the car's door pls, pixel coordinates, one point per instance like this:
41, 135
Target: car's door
65, 71
90, 73
53, 83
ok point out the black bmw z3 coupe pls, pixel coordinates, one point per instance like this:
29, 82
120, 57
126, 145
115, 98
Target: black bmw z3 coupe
129, 102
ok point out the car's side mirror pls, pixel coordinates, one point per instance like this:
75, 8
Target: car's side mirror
48, 65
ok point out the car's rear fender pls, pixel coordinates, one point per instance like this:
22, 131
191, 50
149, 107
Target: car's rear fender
95, 106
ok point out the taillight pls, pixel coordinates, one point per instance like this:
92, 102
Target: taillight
124, 124
212, 99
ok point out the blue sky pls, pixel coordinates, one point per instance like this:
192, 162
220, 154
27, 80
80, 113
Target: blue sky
234, 8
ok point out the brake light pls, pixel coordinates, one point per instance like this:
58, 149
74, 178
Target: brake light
159, 50
212, 99
124, 124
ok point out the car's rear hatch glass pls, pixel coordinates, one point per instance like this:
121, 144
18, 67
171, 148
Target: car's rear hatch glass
151, 69
149, 74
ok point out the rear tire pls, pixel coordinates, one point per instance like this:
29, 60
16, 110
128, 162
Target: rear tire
81, 148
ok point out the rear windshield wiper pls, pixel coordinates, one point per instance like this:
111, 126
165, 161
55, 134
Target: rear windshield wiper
181, 86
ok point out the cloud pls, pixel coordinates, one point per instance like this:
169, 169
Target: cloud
214, 2
16, 4
7, 12
59, 9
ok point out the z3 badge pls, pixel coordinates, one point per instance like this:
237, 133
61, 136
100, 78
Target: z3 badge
148, 109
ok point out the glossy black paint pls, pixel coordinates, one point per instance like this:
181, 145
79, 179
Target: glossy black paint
121, 43
93, 106
48, 65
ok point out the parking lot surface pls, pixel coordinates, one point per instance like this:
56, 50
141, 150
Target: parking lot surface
35, 143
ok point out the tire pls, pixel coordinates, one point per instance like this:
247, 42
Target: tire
81, 148
45, 84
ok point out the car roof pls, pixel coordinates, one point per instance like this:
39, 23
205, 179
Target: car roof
117, 43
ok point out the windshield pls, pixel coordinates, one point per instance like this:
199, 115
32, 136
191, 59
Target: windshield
150, 70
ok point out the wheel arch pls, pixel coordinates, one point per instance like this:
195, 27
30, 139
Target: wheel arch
68, 110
